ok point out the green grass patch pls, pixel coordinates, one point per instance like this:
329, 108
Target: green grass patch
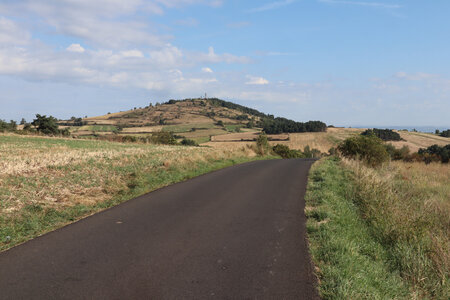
351, 263
186, 128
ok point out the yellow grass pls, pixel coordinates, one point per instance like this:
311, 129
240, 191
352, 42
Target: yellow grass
64, 172
417, 140
408, 205
143, 129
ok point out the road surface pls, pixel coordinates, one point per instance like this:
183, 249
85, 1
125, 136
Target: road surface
237, 233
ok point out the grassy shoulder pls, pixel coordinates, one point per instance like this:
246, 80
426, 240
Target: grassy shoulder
379, 233
46, 183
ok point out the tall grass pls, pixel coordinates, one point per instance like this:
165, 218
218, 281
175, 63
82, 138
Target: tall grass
408, 208
350, 262
396, 216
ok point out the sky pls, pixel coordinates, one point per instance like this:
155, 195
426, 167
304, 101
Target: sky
347, 63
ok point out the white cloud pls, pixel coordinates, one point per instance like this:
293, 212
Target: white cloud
75, 48
272, 5
207, 70
12, 34
256, 80
361, 3
212, 57
132, 53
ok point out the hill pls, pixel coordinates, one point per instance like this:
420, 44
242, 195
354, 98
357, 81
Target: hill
197, 119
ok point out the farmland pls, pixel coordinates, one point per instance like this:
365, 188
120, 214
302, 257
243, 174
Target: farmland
48, 182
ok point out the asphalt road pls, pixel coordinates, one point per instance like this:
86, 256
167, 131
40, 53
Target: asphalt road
237, 233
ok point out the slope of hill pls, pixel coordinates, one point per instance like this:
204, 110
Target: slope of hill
197, 119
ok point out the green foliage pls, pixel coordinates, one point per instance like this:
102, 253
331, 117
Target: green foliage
283, 125
351, 263
369, 149
46, 125
384, 134
285, 152
220, 123
398, 154
445, 133
163, 137
262, 144
11, 126
435, 153
250, 124
188, 142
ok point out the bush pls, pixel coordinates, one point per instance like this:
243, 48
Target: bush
188, 142
369, 149
162, 137
11, 126
285, 152
384, 134
445, 133
435, 153
397, 154
262, 144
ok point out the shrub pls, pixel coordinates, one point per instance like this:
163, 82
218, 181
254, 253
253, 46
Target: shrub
369, 149
4, 126
285, 152
262, 144
384, 134
162, 137
188, 142
445, 133
435, 153
220, 123
397, 154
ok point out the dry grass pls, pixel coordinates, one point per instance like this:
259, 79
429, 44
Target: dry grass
417, 140
65, 172
144, 129
408, 207
322, 141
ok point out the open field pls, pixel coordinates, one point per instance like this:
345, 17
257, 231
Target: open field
417, 140
319, 140
383, 233
48, 182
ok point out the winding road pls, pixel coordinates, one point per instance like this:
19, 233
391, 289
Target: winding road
237, 233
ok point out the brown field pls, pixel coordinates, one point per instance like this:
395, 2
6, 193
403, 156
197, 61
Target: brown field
416, 140
322, 141
144, 129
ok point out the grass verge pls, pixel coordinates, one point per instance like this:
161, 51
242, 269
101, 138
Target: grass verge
380, 233
350, 263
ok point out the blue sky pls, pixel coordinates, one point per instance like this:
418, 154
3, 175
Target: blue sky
378, 63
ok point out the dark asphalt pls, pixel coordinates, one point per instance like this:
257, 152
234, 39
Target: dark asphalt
238, 233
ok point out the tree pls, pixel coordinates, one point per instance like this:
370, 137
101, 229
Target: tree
445, 133
163, 137
384, 134
46, 125
23, 121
